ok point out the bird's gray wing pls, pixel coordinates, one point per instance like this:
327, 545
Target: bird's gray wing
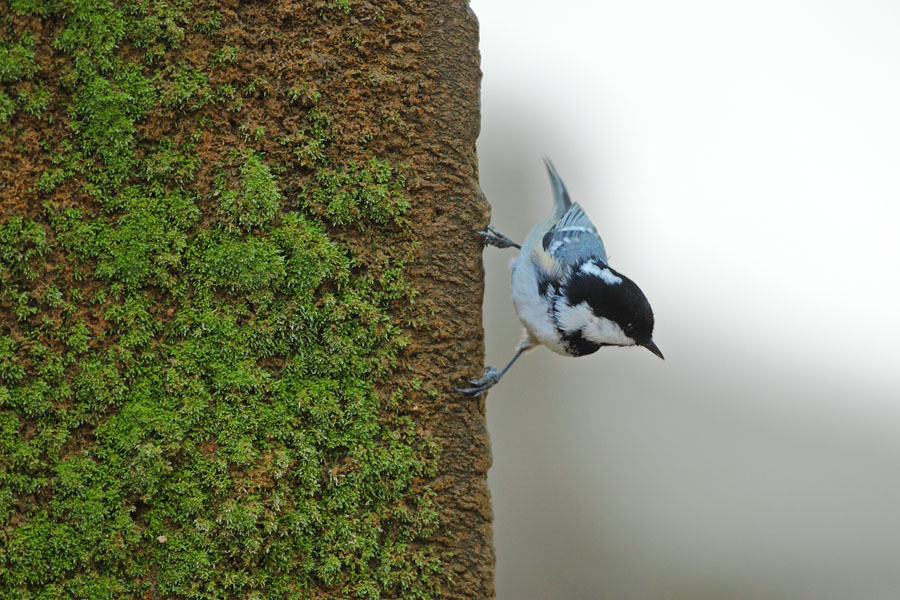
574, 239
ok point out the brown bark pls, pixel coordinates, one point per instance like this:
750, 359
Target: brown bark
448, 211
289, 94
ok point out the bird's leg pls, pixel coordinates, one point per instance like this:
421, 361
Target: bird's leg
491, 376
492, 237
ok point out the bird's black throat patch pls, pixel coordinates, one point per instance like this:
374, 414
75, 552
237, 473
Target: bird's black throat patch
577, 344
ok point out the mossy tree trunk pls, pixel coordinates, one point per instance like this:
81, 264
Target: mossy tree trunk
237, 275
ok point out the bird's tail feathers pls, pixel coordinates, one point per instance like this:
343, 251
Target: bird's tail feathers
561, 200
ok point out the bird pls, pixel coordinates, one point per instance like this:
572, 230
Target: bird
565, 293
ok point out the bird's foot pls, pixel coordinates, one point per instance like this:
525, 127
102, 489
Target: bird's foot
492, 237
480, 386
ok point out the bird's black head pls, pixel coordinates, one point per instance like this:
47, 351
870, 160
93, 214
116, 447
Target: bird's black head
613, 296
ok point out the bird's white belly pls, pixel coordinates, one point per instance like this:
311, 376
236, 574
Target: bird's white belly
533, 309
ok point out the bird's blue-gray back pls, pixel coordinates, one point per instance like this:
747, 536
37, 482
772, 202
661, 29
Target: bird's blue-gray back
574, 239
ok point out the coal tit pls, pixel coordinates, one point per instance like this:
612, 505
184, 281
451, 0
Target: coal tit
567, 296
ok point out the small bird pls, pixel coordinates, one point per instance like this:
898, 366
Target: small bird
567, 296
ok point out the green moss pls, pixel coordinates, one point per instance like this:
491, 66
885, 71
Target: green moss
238, 265
360, 194
171, 163
16, 64
185, 87
7, 107
105, 112
34, 100
258, 86
208, 22
259, 200
225, 55
22, 243
339, 5
228, 95
190, 374
17, 59
142, 246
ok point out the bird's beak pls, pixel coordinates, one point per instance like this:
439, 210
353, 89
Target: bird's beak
652, 348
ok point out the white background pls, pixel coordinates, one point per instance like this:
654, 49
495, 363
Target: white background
742, 162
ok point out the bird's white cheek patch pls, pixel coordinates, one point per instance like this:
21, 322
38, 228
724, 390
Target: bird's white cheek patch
573, 318
603, 331
603, 273
599, 330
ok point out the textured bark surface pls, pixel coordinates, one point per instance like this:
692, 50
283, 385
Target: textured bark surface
451, 209
238, 276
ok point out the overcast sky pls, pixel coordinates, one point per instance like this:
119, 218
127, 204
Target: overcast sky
741, 161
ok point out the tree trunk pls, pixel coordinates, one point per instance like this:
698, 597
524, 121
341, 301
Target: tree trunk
237, 277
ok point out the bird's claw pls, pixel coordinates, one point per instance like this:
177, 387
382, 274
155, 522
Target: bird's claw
492, 237
480, 386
